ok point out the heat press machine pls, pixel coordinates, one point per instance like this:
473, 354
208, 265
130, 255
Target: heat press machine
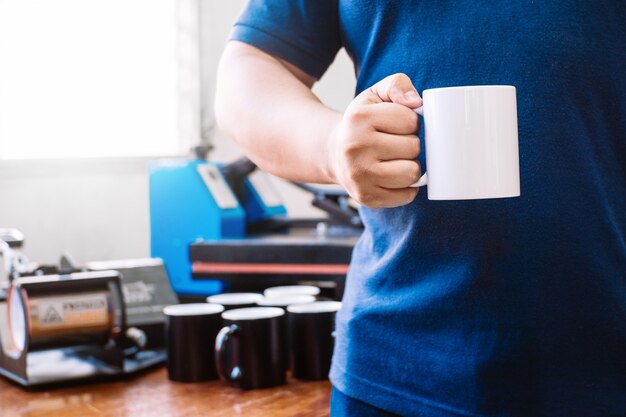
223, 227
63, 323
51, 333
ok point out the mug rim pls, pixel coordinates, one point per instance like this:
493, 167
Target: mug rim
476, 87
286, 300
317, 307
253, 313
193, 309
234, 298
284, 290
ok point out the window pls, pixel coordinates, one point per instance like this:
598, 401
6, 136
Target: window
88, 78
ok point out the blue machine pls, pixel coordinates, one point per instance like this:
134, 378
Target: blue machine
192, 201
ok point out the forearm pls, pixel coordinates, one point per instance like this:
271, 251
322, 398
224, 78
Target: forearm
273, 115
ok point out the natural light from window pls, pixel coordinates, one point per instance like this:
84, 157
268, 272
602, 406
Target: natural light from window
90, 78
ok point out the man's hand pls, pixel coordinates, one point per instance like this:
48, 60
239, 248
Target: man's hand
373, 150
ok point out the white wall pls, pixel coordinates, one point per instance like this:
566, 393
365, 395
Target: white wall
95, 209
98, 209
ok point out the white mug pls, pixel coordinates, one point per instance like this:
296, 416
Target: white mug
471, 142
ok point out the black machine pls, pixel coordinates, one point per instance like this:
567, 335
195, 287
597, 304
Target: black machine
60, 323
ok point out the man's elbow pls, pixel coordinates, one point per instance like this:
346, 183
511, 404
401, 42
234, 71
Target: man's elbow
221, 113
221, 104
232, 72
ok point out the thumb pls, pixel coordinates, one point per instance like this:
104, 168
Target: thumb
396, 88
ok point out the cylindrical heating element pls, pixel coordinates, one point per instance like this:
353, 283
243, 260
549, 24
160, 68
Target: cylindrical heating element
60, 319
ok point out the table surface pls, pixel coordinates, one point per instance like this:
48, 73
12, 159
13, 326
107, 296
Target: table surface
152, 394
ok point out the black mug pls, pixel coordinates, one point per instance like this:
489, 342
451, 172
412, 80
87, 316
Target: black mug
249, 350
283, 301
190, 331
232, 300
311, 339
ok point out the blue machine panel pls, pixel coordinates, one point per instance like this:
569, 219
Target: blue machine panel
190, 201
261, 199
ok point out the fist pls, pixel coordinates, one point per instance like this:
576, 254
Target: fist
373, 150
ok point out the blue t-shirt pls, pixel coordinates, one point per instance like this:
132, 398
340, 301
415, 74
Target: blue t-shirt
503, 307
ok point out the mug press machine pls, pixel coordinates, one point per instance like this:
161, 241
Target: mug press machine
222, 228
61, 323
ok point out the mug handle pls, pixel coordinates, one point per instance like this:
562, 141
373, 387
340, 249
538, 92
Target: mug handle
221, 342
424, 178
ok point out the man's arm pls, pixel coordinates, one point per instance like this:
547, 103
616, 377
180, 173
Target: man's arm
267, 107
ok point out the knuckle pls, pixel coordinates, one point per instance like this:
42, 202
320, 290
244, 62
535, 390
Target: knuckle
367, 196
357, 115
399, 77
399, 81
396, 85
412, 120
413, 147
407, 197
411, 194
415, 172
406, 118
364, 197
375, 203
418, 146
353, 143
358, 175
353, 148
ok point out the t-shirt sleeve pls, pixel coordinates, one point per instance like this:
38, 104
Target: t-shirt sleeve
304, 33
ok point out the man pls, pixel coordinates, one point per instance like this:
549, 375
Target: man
502, 307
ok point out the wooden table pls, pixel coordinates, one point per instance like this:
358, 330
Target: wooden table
152, 395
